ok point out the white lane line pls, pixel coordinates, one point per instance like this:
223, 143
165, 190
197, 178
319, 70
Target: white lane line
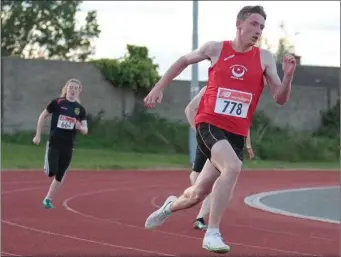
255, 202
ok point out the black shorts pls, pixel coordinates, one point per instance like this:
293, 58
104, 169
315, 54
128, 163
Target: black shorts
57, 159
208, 135
199, 161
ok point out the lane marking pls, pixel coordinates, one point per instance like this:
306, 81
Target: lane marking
157, 206
66, 204
3, 253
80, 238
32, 229
255, 202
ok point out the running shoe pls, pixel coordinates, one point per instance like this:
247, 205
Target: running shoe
200, 224
47, 203
158, 217
214, 243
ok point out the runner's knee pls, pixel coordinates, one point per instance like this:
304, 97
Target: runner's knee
61, 173
224, 157
64, 163
59, 177
234, 166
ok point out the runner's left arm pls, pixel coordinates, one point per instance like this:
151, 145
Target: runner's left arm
82, 126
280, 90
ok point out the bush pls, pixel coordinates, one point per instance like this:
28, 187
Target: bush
272, 143
295, 147
135, 71
330, 122
141, 132
148, 133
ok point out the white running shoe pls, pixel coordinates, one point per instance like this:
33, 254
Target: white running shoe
158, 217
214, 243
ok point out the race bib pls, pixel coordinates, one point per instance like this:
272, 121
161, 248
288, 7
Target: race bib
66, 122
232, 102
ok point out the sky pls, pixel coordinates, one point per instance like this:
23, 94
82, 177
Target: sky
165, 27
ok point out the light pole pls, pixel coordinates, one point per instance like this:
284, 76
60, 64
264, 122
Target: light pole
195, 79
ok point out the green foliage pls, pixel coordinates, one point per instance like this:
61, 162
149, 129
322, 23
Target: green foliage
31, 26
147, 133
142, 132
264, 43
110, 68
272, 143
330, 122
284, 45
135, 71
291, 146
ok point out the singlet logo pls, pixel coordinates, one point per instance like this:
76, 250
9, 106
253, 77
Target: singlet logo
60, 100
77, 111
229, 57
238, 71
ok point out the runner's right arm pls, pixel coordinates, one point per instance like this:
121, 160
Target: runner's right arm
192, 107
198, 55
40, 122
46, 112
206, 52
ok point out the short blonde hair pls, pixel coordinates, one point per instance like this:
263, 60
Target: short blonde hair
64, 89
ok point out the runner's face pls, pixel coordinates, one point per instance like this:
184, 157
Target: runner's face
251, 29
73, 90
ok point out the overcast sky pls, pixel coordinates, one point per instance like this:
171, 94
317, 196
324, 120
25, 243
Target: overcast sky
166, 28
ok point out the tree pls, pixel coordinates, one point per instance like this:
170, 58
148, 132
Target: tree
264, 43
135, 71
284, 45
138, 70
29, 27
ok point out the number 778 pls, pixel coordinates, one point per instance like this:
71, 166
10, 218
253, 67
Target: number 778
234, 105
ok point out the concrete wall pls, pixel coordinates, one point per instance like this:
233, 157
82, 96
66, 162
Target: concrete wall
28, 85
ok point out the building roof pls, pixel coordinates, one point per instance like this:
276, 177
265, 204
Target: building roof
314, 75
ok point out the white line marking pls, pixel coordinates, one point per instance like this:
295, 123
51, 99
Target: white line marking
255, 202
75, 237
154, 204
3, 253
21, 190
23, 182
66, 205
80, 239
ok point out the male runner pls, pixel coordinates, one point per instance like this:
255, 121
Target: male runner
200, 159
224, 115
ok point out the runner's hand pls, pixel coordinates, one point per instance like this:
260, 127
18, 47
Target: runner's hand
78, 125
36, 140
154, 96
288, 64
251, 153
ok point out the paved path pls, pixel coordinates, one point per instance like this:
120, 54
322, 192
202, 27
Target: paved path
318, 203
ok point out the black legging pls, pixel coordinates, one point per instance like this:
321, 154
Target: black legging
57, 160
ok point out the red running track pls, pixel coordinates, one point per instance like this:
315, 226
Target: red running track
103, 214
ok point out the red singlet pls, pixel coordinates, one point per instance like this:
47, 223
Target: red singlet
234, 86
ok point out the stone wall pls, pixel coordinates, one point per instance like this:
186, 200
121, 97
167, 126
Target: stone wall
28, 86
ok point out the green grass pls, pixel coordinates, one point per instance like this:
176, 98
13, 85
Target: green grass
26, 156
17, 156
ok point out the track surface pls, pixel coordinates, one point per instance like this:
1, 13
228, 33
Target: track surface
103, 214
